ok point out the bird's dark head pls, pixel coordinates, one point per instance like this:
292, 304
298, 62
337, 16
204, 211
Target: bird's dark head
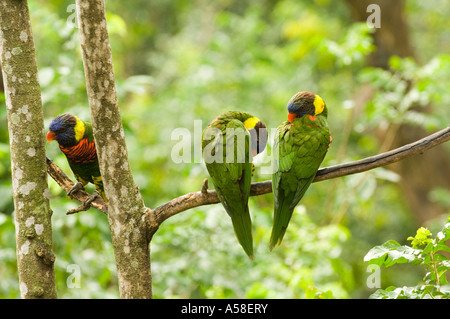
66, 129
305, 103
258, 134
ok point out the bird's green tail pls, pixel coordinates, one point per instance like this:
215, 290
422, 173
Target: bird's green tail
281, 218
242, 223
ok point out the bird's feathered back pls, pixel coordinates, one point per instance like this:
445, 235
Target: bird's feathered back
302, 143
228, 159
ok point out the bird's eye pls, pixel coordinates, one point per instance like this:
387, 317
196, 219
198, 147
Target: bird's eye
62, 130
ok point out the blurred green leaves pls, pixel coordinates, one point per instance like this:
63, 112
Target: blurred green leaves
356, 44
406, 88
425, 251
311, 258
178, 61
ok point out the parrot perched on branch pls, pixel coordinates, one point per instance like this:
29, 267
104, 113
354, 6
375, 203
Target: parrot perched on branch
229, 143
76, 140
300, 145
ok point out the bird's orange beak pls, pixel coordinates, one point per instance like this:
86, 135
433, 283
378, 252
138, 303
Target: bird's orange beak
291, 117
51, 136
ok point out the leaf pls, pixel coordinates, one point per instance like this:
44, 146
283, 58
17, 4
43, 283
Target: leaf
421, 238
390, 293
432, 247
314, 293
442, 247
391, 252
417, 292
377, 255
442, 274
445, 233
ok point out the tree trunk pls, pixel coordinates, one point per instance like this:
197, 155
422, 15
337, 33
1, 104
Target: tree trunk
127, 214
392, 38
32, 213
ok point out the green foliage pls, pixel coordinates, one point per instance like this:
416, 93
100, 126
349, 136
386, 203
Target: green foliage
421, 238
425, 251
314, 293
311, 265
177, 61
406, 89
353, 48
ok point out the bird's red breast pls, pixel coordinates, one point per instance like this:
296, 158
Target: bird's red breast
83, 152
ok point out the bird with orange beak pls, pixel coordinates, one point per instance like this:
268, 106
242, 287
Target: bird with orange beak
76, 140
302, 143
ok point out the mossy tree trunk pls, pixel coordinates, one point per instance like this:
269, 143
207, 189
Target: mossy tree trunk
32, 212
127, 214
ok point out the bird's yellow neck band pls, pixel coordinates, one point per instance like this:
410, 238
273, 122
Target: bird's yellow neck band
318, 104
251, 122
79, 129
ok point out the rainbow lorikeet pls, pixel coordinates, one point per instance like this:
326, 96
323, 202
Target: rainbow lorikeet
238, 136
76, 140
302, 143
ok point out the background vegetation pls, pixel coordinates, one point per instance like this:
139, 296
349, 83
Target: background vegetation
177, 61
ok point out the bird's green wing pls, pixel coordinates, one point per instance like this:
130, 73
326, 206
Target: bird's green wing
301, 150
283, 159
239, 163
88, 131
232, 180
239, 167
310, 150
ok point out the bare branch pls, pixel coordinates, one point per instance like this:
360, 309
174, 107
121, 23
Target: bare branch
205, 186
66, 184
386, 158
201, 198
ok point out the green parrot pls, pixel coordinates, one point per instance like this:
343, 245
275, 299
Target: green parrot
76, 140
238, 136
302, 143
